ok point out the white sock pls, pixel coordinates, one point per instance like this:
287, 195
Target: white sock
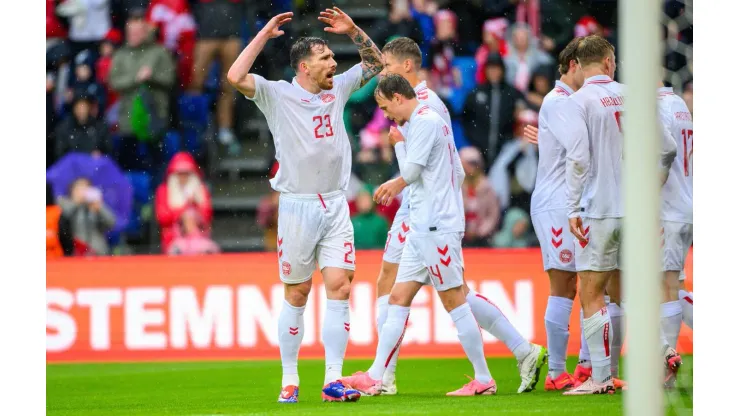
290, 335
687, 307
491, 319
598, 331
335, 335
617, 314
557, 317
670, 322
584, 357
390, 339
471, 340
382, 303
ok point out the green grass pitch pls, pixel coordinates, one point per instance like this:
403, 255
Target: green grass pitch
252, 388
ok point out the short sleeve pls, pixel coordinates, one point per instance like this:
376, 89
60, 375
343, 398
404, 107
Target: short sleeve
349, 81
421, 141
265, 93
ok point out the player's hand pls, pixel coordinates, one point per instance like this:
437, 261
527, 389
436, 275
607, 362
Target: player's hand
272, 28
386, 192
394, 136
339, 22
576, 228
531, 133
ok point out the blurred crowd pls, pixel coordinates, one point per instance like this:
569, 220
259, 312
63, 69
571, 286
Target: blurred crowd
133, 85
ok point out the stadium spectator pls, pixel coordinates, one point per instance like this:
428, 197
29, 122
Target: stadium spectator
514, 171
84, 81
56, 29
523, 57
219, 34
539, 87
494, 34
557, 18
182, 189
58, 229
423, 11
90, 218
191, 238
142, 73
443, 77
371, 229
399, 23
108, 46
176, 28
375, 159
489, 111
516, 230
479, 199
82, 132
89, 22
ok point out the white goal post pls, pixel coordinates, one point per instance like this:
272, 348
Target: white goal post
641, 50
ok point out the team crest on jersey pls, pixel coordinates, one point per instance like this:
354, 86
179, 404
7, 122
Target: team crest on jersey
566, 256
327, 98
286, 268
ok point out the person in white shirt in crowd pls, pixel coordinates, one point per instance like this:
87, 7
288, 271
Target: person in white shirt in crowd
315, 159
402, 56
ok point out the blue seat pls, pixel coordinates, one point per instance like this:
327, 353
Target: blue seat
194, 110
141, 182
171, 145
467, 66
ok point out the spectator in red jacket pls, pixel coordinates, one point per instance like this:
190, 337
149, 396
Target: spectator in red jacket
494, 41
182, 189
176, 31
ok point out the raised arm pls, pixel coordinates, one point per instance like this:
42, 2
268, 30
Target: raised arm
340, 23
239, 76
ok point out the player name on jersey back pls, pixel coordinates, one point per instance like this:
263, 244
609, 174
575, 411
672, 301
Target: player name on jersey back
592, 128
678, 191
311, 143
436, 203
550, 190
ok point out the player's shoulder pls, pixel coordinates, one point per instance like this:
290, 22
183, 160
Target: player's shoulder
554, 97
427, 113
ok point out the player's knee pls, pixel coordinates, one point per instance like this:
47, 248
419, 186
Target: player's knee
339, 290
297, 295
563, 284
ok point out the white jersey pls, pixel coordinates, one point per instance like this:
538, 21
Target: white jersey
591, 129
549, 191
436, 197
678, 191
430, 98
311, 143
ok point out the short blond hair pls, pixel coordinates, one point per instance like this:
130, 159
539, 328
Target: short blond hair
593, 49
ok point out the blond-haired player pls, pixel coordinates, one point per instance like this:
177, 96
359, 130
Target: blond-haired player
315, 157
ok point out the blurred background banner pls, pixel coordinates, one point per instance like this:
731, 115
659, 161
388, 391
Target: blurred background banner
145, 308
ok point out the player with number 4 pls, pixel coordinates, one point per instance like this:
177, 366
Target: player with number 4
315, 158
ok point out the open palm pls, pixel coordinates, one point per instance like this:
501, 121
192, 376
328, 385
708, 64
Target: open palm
339, 22
272, 28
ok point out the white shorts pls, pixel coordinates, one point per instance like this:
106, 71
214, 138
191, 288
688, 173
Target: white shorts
677, 237
313, 228
601, 252
556, 241
396, 238
434, 259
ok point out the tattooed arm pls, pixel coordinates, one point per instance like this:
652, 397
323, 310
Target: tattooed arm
340, 23
372, 59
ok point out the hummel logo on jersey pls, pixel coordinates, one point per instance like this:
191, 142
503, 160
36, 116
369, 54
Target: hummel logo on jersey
327, 98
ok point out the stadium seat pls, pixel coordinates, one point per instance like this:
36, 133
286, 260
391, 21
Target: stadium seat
466, 66
459, 133
171, 145
194, 110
